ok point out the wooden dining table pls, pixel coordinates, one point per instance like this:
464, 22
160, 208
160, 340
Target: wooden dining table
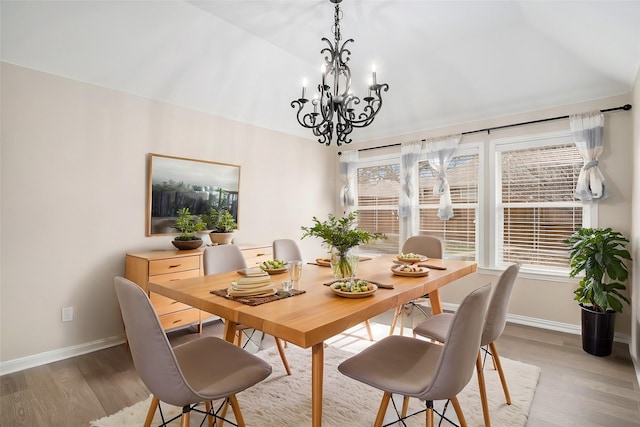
310, 318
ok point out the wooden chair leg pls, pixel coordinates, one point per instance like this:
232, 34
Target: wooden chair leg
503, 380
394, 320
459, 413
239, 338
210, 418
482, 388
383, 409
152, 411
368, 326
405, 406
236, 410
429, 415
223, 413
282, 355
185, 420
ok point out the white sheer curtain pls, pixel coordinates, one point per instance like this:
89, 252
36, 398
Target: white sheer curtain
408, 203
348, 174
588, 134
440, 151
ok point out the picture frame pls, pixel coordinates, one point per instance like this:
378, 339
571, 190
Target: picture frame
177, 182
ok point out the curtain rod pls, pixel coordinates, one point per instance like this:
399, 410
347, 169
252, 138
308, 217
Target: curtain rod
625, 107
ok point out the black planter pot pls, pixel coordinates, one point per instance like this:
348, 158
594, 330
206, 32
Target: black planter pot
597, 331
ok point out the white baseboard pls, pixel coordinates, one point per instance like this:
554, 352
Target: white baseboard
40, 359
546, 324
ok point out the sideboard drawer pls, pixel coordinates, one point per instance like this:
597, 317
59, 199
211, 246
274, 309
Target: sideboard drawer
171, 265
180, 318
256, 256
161, 278
164, 305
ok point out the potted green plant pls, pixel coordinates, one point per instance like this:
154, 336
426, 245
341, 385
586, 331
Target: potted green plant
221, 224
599, 253
187, 225
340, 235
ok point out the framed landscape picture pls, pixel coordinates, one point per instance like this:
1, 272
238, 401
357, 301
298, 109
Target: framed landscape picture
174, 183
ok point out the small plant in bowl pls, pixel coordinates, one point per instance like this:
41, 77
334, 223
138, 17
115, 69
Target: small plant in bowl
188, 225
221, 223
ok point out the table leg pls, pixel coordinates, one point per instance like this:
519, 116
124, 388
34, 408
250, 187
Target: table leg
229, 331
317, 366
436, 304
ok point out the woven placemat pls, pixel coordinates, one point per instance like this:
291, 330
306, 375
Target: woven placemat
259, 300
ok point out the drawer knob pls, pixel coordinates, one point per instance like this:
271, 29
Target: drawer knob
175, 266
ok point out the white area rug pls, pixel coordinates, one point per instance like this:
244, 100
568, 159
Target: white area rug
286, 401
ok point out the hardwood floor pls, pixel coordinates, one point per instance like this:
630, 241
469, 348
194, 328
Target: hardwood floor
575, 389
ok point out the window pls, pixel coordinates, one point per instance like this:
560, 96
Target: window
534, 207
458, 233
522, 202
377, 203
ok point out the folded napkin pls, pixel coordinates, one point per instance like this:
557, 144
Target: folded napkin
261, 292
253, 272
252, 286
252, 280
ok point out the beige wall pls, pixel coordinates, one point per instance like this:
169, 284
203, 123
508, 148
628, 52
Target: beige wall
635, 237
541, 302
74, 162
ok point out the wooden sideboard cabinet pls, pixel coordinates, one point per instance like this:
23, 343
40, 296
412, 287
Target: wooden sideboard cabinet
168, 265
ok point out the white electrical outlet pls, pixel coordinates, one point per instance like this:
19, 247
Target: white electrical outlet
67, 314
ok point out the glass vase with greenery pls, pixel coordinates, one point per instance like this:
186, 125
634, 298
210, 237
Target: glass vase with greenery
341, 235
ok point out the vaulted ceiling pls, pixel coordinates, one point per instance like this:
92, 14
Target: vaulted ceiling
446, 62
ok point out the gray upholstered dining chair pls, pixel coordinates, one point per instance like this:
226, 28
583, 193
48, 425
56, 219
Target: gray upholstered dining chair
429, 246
202, 370
286, 250
417, 368
436, 328
223, 258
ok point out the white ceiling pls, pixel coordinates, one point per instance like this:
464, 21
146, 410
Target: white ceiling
446, 62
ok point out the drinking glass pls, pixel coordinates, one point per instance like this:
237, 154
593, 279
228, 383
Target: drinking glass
295, 271
287, 285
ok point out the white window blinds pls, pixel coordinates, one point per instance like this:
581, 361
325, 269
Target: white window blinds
535, 207
378, 199
459, 232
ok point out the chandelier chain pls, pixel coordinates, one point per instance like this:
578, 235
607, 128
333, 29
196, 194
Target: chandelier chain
336, 25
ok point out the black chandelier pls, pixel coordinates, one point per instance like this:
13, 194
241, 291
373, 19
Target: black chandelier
333, 105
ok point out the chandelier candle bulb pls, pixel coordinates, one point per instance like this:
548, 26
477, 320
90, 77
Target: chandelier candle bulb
373, 74
304, 87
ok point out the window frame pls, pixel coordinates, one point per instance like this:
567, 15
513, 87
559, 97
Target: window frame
496, 229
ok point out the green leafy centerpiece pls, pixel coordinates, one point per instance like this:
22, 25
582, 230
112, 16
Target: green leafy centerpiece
340, 235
